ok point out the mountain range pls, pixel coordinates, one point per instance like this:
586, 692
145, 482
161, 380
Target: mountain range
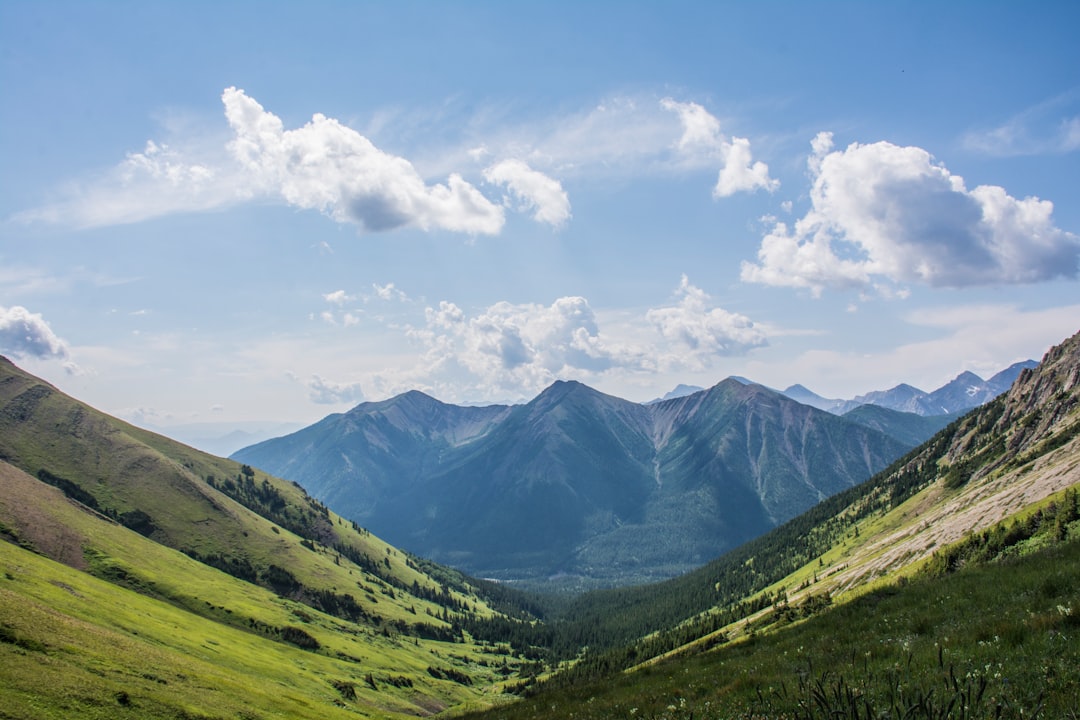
577, 485
943, 585
964, 392
140, 578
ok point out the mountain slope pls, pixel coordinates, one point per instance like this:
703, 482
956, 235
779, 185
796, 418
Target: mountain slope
374, 447
908, 428
1002, 476
998, 640
579, 484
246, 558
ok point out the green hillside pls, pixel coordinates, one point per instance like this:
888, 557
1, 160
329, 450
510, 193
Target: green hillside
206, 561
991, 641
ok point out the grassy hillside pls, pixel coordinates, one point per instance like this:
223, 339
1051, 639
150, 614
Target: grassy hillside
72, 645
997, 640
220, 554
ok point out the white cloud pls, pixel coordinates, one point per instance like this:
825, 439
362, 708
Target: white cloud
388, 292
158, 181
888, 214
26, 334
533, 189
329, 167
322, 166
325, 392
618, 135
516, 350
18, 280
702, 138
698, 333
337, 297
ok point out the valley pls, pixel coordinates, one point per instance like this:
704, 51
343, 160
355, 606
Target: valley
578, 485
142, 578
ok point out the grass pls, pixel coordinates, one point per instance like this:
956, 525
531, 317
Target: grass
74, 645
167, 636
181, 639
996, 641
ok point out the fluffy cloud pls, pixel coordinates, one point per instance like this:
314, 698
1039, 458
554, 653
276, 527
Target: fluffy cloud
702, 138
883, 214
697, 333
519, 349
325, 392
26, 334
516, 347
533, 189
322, 166
329, 167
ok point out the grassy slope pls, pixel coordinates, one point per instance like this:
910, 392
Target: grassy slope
188, 611
127, 469
1003, 638
75, 646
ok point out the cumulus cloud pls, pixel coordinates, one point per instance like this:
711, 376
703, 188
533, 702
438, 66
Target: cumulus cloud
325, 392
517, 350
516, 347
338, 314
533, 189
326, 166
883, 215
322, 166
329, 167
702, 138
26, 334
697, 333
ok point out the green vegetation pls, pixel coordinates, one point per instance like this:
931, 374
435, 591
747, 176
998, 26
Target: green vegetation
204, 568
990, 640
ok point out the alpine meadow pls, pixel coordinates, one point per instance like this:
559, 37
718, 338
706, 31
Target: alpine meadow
539, 361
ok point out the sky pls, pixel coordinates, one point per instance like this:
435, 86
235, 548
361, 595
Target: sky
233, 212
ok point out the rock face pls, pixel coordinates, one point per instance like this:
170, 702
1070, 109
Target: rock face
577, 482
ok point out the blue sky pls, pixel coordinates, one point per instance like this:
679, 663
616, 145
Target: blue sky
227, 212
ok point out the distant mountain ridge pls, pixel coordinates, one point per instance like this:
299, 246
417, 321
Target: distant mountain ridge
964, 392
576, 482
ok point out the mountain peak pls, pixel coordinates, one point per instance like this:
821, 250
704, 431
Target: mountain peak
680, 390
